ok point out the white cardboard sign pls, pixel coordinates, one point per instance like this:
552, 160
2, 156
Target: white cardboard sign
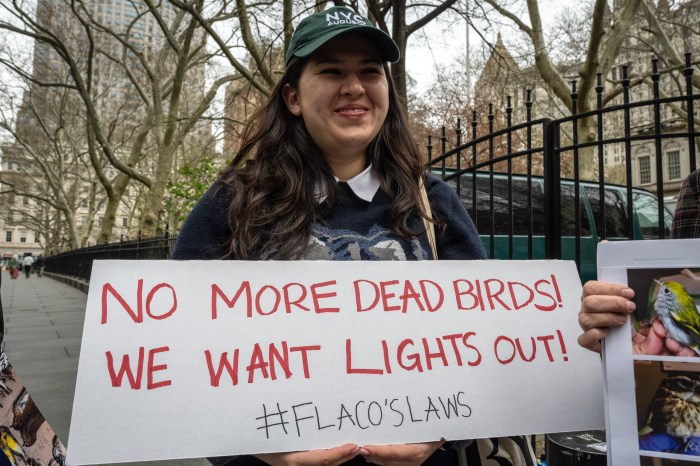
211, 358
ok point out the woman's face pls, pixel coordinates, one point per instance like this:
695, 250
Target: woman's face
343, 97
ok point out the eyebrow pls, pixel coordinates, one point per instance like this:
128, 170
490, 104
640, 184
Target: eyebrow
328, 60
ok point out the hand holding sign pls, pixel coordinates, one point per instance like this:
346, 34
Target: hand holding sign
331, 456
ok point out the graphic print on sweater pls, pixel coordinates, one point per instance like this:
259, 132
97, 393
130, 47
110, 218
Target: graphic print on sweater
378, 244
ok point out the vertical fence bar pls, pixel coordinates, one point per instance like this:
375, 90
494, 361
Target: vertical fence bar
459, 156
509, 144
475, 123
628, 151
601, 157
443, 147
166, 242
655, 77
688, 71
492, 220
577, 176
552, 198
530, 224
430, 148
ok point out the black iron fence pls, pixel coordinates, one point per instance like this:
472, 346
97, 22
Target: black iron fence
78, 263
538, 189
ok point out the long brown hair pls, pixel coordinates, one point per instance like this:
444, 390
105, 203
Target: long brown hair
276, 175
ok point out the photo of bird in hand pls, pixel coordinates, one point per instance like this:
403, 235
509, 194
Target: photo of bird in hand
676, 310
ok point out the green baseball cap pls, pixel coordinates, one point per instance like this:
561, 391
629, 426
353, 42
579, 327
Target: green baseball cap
319, 28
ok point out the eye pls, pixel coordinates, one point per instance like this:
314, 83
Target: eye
372, 70
667, 290
333, 71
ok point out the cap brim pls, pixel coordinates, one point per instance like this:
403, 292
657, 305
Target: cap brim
386, 45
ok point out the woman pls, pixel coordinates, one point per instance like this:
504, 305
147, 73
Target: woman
328, 170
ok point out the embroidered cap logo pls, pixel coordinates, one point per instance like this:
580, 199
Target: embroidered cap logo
342, 17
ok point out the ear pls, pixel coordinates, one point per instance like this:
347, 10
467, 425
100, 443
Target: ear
291, 99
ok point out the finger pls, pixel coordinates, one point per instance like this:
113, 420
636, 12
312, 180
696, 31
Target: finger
402, 454
594, 287
658, 328
652, 345
591, 320
679, 349
338, 455
380, 454
328, 457
590, 339
606, 303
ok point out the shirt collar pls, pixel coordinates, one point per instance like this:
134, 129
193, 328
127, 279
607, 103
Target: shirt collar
365, 185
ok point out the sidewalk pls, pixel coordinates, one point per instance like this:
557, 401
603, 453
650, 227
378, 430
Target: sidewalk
43, 329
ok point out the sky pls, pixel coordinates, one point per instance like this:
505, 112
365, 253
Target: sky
435, 45
447, 46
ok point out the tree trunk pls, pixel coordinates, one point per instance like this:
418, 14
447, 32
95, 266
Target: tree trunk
398, 32
113, 200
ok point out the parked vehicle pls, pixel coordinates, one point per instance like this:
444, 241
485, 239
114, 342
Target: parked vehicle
670, 203
645, 222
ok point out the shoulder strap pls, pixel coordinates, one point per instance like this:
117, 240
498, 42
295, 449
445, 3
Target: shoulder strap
2, 321
429, 226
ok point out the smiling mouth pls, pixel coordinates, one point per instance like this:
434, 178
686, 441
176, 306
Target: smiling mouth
350, 111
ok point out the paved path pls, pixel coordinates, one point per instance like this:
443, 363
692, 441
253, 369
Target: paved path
43, 326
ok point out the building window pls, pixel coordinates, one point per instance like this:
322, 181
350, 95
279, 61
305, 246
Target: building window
36, 237
8, 236
645, 169
25, 200
22, 236
674, 165
125, 222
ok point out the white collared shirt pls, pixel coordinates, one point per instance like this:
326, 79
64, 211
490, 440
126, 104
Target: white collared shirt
365, 185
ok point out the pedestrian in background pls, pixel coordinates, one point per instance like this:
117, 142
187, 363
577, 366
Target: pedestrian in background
13, 268
686, 217
27, 263
39, 265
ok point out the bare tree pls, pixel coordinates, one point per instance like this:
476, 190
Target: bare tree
142, 94
593, 44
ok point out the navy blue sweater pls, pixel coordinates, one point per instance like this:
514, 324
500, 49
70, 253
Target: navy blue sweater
354, 230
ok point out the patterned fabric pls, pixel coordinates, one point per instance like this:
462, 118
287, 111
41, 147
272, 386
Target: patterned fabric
686, 218
502, 451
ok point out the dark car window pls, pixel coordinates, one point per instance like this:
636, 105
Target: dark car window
501, 214
615, 215
647, 208
568, 214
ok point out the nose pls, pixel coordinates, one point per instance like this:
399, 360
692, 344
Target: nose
352, 86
